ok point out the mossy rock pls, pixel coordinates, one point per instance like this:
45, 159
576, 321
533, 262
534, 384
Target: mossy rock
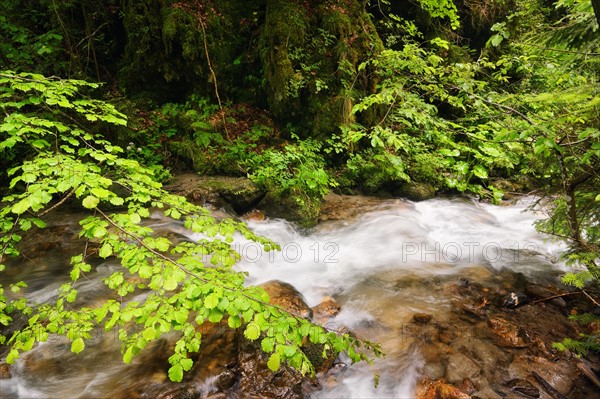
415, 191
238, 192
301, 210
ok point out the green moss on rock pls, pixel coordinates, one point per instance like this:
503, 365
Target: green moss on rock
301, 210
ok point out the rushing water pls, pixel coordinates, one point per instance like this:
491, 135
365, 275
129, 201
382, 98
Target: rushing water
381, 267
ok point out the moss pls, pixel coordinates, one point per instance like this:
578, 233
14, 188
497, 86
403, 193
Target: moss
313, 68
292, 207
285, 26
165, 55
415, 191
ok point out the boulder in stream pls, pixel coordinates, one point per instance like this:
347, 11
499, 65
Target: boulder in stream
286, 296
240, 193
5, 371
415, 191
286, 206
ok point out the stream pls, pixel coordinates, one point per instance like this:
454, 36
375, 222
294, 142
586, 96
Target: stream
382, 267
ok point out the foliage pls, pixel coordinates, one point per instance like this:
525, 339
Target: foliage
297, 169
442, 9
456, 153
586, 342
186, 283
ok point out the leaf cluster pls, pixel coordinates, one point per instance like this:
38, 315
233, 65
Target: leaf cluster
185, 284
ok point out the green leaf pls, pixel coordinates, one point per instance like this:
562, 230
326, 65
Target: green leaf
105, 251
234, 322
252, 331
20, 206
117, 201
215, 316
149, 333
135, 218
268, 344
274, 362
211, 301
176, 373
77, 345
480, 172
187, 364
90, 202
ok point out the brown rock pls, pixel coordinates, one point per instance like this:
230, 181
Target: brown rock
508, 334
467, 386
5, 371
460, 366
486, 393
439, 389
422, 318
285, 295
560, 373
257, 381
327, 309
255, 215
524, 388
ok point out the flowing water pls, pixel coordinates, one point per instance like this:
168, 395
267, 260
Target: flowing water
381, 267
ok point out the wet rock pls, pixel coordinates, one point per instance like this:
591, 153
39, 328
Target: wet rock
460, 366
254, 215
284, 205
415, 191
537, 291
327, 309
507, 333
178, 393
486, 393
285, 295
256, 380
349, 207
225, 380
435, 357
238, 192
467, 386
446, 334
515, 299
314, 352
5, 371
560, 373
486, 354
439, 389
523, 388
422, 318
540, 292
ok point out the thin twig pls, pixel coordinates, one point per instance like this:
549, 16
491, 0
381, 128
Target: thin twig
91, 35
214, 76
590, 298
59, 203
552, 297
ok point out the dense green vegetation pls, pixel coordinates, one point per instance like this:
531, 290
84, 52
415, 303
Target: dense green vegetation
304, 97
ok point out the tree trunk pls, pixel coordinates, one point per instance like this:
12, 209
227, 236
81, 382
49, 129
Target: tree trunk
596, 6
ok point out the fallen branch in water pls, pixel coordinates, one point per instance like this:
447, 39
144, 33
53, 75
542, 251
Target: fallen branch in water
549, 388
590, 298
589, 373
552, 297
